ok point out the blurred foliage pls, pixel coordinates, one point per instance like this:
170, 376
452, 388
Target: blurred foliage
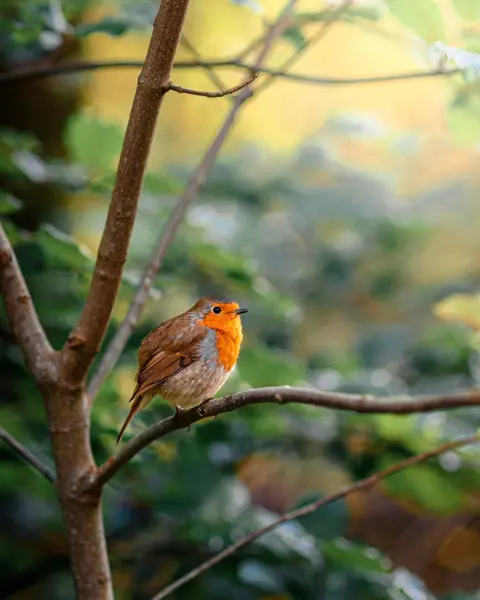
337, 273
460, 308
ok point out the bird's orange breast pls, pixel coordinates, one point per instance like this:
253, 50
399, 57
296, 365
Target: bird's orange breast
228, 347
228, 329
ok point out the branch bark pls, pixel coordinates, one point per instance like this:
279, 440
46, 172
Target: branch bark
312, 507
22, 315
225, 92
85, 339
279, 395
27, 456
120, 339
69, 423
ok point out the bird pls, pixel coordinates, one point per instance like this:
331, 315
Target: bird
188, 358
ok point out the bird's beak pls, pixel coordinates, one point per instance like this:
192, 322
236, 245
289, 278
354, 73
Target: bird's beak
241, 311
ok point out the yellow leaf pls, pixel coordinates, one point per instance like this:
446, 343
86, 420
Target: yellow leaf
460, 308
460, 550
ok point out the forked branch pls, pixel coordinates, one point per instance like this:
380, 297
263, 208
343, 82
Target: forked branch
312, 507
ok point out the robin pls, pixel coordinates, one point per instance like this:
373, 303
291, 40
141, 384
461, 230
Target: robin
187, 359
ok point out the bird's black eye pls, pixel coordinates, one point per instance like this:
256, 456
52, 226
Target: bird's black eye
217, 310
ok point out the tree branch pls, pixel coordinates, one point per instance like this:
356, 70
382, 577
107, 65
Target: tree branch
118, 343
22, 315
256, 42
312, 79
27, 456
75, 67
280, 395
332, 17
312, 507
84, 341
219, 94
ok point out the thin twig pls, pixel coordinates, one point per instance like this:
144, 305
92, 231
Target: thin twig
85, 339
332, 17
298, 19
27, 456
214, 78
256, 42
75, 67
183, 90
282, 395
314, 80
120, 339
22, 315
312, 507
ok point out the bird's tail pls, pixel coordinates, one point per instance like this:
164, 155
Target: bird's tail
138, 402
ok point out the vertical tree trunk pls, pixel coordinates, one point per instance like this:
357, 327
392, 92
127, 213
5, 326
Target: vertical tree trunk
88, 549
70, 432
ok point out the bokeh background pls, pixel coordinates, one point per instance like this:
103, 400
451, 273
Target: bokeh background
339, 214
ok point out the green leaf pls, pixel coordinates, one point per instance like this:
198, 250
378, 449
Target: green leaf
396, 428
183, 493
12, 141
464, 121
8, 204
93, 143
222, 266
469, 10
471, 42
421, 16
373, 12
369, 13
114, 26
295, 36
12, 232
430, 488
349, 556
327, 523
261, 366
460, 308
161, 183
62, 250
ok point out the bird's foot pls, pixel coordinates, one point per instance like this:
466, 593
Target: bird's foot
179, 417
200, 410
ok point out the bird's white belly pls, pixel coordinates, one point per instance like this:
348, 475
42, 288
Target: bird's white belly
196, 383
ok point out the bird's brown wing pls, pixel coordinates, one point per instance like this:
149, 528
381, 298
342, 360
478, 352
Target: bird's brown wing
161, 365
166, 336
168, 349
160, 357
